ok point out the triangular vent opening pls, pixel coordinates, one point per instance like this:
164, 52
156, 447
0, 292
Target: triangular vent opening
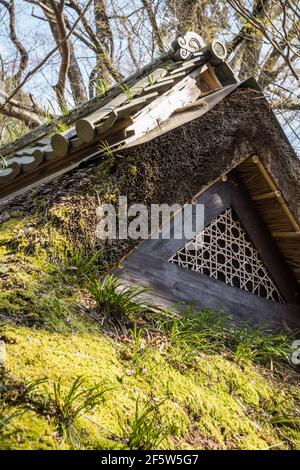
224, 251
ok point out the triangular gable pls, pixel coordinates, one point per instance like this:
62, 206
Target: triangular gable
224, 251
254, 284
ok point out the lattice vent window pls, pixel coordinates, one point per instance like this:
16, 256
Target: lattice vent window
223, 251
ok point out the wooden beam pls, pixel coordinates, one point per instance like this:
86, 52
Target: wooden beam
107, 124
118, 126
60, 144
184, 67
135, 105
183, 93
174, 77
215, 199
8, 174
120, 107
197, 104
176, 284
27, 163
210, 78
54, 168
159, 86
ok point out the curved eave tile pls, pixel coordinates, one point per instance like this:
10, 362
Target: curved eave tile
27, 163
9, 174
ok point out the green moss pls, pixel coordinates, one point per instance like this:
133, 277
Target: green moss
33, 289
59, 214
9, 229
133, 170
224, 403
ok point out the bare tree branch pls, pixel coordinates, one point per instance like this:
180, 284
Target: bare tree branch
73, 70
103, 60
19, 111
259, 26
10, 6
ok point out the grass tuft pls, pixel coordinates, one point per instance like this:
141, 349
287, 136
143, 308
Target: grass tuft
102, 86
68, 406
107, 150
192, 333
127, 90
83, 265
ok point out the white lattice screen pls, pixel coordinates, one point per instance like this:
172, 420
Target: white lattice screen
223, 251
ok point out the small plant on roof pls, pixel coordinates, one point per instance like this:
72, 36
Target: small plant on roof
15, 133
47, 116
119, 302
51, 107
127, 90
60, 127
104, 145
64, 112
150, 80
63, 106
102, 86
3, 162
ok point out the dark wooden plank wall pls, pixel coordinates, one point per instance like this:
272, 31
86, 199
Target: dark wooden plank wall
171, 284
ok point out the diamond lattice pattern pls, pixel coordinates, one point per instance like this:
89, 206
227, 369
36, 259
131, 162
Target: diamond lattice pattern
223, 251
